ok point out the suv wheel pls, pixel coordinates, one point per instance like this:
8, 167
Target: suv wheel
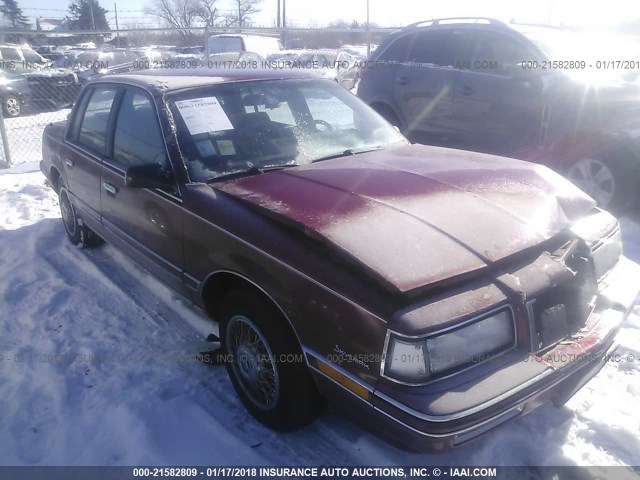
605, 183
78, 233
11, 106
265, 363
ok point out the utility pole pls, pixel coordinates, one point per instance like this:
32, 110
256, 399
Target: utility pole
93, 20
368, 32
284, 22
115, 10
278, 15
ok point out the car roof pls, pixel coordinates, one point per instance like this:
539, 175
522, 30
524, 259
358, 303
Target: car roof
320, 51
163, 80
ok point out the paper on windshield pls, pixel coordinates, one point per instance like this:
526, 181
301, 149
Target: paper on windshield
202, 115
205, 148
226, 147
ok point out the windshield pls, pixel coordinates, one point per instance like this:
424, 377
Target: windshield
252, 126
225, 44
322, 60
88, 57
32, 56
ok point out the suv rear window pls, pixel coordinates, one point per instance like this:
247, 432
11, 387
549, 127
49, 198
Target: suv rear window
437, 47
496, 54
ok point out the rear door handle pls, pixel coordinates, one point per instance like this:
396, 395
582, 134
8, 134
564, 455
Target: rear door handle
467, 90
110, 188
403, 80
69, 163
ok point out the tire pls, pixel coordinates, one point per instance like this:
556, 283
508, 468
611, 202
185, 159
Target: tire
608, 183
11, 106
254, 336
78, 233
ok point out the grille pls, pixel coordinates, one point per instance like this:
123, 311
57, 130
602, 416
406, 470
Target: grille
563, 310
56, 90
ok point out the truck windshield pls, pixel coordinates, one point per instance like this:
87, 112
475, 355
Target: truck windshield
257, 126
225, 44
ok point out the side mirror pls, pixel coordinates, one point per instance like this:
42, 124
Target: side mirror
152, 175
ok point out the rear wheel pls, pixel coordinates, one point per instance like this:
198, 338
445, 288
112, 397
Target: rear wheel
265, 363
78, 233
11, 106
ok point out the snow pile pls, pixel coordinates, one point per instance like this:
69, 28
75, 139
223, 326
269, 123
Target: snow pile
97, 368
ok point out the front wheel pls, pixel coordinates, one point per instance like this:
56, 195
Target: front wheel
265, 363
11, 106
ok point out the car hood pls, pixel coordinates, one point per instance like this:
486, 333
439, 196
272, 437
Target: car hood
49, 73
413, 215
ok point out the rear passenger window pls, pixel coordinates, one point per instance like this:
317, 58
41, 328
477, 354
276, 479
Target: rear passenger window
397, 51
497, 54
119, 58
439, 48
138, 139
76, 120
93, 129
9, 53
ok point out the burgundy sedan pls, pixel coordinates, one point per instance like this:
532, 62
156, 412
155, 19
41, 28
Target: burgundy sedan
433, 293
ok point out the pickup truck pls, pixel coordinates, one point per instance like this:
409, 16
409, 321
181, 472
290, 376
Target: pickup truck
434, 294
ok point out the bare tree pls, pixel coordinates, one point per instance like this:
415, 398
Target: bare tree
208, 12
183, 15
245, 9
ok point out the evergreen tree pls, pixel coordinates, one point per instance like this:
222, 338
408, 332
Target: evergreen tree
12, 12
82, 17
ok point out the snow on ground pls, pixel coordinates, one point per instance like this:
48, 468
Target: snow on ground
97, 368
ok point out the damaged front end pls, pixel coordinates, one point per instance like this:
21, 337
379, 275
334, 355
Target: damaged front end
508, 343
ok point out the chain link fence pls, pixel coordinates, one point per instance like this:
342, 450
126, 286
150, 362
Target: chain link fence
42, 73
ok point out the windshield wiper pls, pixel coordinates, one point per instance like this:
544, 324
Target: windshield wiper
346, 153
251, 171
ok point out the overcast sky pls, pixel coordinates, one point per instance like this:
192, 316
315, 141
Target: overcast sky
387, 12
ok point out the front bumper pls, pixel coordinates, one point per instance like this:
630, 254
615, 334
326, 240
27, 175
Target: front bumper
438, 418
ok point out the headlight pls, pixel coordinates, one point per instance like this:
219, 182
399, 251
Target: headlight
417, 360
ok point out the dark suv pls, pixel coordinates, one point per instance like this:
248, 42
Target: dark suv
531, 92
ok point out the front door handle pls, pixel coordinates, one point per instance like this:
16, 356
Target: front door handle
110, 188
467, 90
403, 80
69, 163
